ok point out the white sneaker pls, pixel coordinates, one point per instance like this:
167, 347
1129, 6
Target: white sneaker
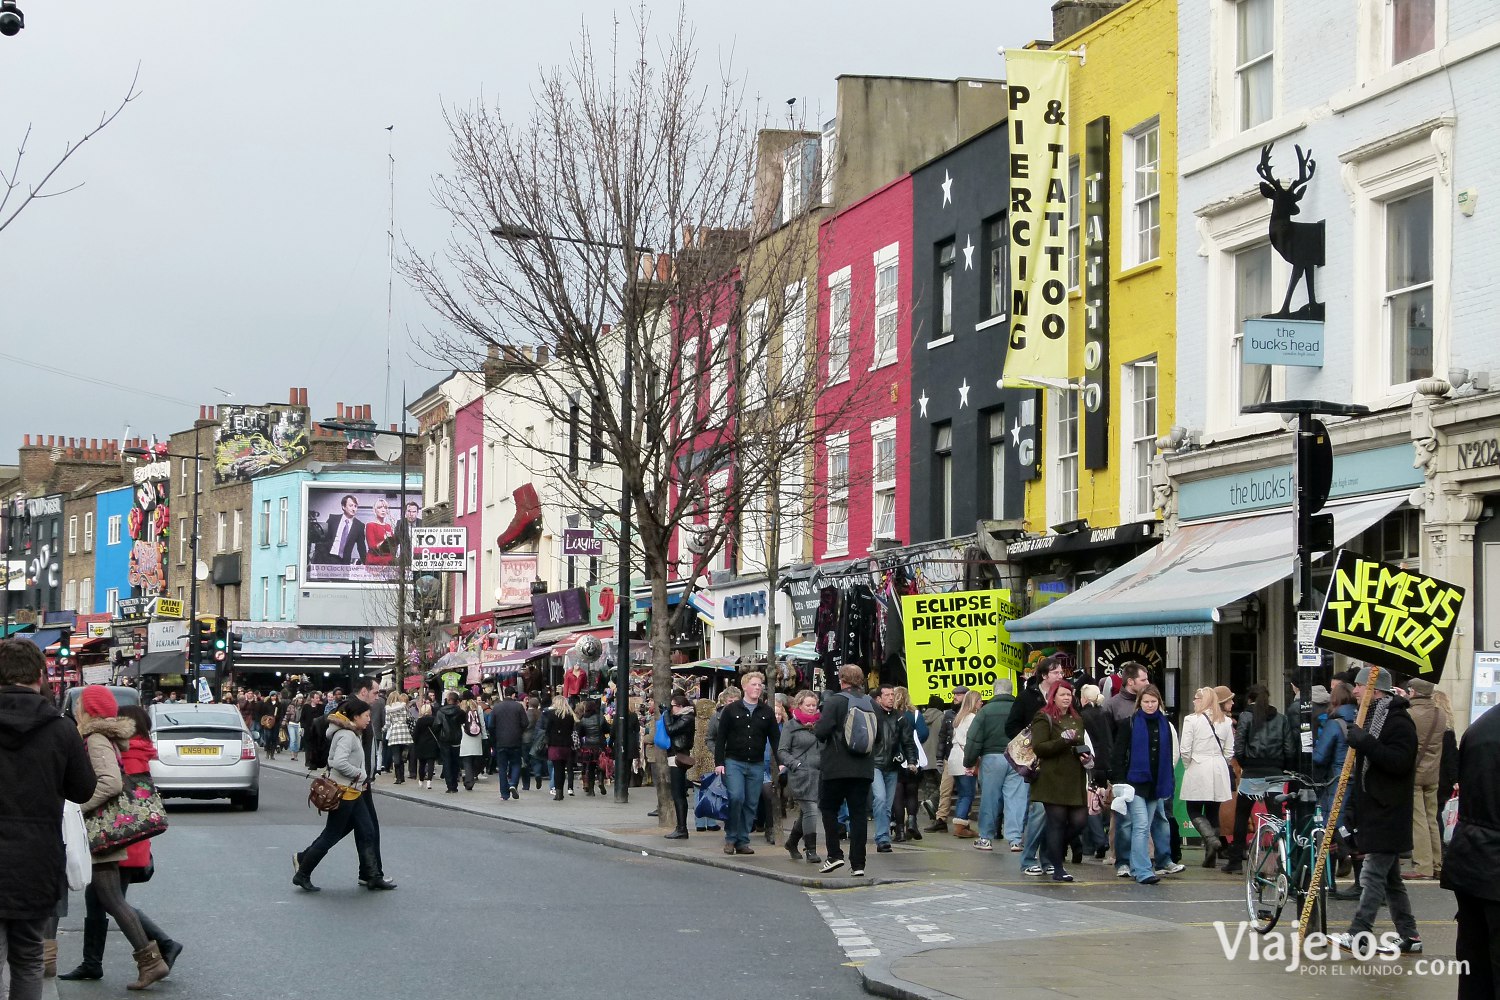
1172, 869
857, 872
983, 844
1122, 871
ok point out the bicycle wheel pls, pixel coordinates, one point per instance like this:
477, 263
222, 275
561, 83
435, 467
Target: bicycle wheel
1266, 886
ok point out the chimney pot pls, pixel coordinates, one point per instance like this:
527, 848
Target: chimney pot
292, 396
26, 441
302, 397
341, 412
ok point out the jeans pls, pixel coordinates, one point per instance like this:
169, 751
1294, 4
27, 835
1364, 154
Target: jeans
21, 950
742, 780
294, 737
1380, 882
1031, 840
999, 783
450, 765
1148, 820
834, 793
1123, 828
352, 816
883, 794
508, 763
963, 791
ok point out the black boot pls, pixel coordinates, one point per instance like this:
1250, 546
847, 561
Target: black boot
810, 849
95, 932
792, 840
371, 875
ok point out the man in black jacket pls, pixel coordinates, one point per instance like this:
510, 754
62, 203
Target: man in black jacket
448, 726
507, 726
846, 776
746, 727
42, 762
1473, 858
1380, 808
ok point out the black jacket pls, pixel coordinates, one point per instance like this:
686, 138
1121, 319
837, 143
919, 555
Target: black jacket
1473, 858
744, 733
682, 730
835, 761
448, 725
1384, 775
42, 762
1031, 702
897, 739
508, 724
1101, 729
559, 729
1267, 749
424, 738
591, 731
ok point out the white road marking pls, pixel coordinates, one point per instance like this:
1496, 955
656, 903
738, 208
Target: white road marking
934, 938
855, 942
917, 899
863, 953
921, 928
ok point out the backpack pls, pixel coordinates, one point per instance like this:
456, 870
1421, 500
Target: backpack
861, 730
315, 743
473, 728
449, 731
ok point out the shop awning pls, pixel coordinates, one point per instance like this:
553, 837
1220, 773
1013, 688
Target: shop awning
565, 645
725, 663
15, 627
1178, 587
46, 638
806, 651
512, 662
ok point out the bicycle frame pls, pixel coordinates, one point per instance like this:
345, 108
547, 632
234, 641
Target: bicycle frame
1280, 863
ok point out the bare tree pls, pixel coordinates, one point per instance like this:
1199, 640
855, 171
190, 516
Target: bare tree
10, 183
636, 215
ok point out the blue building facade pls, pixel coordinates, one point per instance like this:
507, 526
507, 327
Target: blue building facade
111, 549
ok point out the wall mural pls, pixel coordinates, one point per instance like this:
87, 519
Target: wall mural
150, 525
253, 440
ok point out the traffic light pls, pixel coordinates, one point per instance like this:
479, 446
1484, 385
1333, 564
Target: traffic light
220, 639
232, 650
200, 642
65, 649
361, 652
345, 662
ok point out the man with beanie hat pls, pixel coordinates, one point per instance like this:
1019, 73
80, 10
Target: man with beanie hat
1380, 807
42, 762
1426, 829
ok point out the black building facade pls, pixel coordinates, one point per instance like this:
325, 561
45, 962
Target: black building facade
973, 445
33, 541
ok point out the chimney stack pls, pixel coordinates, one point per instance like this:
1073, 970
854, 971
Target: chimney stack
1071, 16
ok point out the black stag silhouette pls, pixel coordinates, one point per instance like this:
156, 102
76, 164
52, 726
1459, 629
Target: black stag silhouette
1299, 243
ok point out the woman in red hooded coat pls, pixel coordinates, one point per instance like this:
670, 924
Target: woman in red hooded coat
136, 758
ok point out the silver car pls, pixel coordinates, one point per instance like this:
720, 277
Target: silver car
205, 752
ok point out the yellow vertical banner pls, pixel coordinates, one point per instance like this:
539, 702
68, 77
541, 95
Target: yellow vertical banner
1037, 99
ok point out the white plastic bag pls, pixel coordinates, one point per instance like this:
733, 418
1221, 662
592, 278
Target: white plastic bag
76, 840
1450, 818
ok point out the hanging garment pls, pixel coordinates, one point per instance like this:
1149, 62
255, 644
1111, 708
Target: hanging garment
857, 627
826, 636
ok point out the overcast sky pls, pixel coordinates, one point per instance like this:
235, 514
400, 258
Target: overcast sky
229, 236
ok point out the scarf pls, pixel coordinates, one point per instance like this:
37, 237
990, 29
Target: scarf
1163, 782
804, 718
1378, 716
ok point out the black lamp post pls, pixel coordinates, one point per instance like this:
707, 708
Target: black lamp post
524, 234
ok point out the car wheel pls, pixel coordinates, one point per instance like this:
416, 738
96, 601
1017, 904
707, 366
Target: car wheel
250, 803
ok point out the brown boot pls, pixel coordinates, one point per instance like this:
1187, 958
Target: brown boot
149, 967
49, 958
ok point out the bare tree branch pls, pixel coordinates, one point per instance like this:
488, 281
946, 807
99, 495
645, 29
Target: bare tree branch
12, 181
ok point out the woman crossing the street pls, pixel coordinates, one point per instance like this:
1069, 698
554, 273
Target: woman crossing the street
346, 765
1061, 785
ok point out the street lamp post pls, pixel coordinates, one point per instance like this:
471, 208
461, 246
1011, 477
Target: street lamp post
523, 234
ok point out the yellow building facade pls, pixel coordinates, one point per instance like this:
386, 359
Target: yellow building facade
1099, 438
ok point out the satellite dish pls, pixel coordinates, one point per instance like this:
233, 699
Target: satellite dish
387, 447
201, 570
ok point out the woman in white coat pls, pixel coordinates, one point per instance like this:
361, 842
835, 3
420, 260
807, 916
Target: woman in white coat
1207, 746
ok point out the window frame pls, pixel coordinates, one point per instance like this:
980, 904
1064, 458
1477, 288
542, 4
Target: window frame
283, 521
995, 302
111, 600
461, 477
840, 323
221, 531
1389, 295
265, 523
997, 443
882, 490
944, 257
887, 260
1063, 409
473, 486
793, 361
1138, 442
755, 358
718, 374
237, 531
86, 595
72, 534
113, 527
836, 454
1075, 223
1239, 68
88, 531
1133, 202
182, 541
1237, 334
942, 450
689, 370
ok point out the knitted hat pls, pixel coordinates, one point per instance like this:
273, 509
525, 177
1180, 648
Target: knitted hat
1320, 695
1223, 694
98, 703
1382, 683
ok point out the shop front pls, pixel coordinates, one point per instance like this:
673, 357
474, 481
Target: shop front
1215, 592
741, 611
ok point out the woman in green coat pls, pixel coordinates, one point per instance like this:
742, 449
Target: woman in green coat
1063, 756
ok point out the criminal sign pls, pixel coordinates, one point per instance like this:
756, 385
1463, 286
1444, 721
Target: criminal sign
1389, 616
439, 550
958, 639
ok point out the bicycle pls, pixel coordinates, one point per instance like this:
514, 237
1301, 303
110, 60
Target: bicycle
1280, 863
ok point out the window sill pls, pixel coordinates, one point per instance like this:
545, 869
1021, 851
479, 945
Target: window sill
879, 363
992, 321
936, 343
835, 552
1139, 269
1226, 146
1395, 77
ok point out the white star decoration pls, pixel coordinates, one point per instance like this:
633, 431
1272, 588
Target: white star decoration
968, 253
1015, 433
963, 394
947, 189
922, 402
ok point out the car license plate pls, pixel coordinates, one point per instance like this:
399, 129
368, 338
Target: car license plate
198, 751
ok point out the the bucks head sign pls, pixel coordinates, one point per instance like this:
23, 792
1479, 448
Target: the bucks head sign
1399, 620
